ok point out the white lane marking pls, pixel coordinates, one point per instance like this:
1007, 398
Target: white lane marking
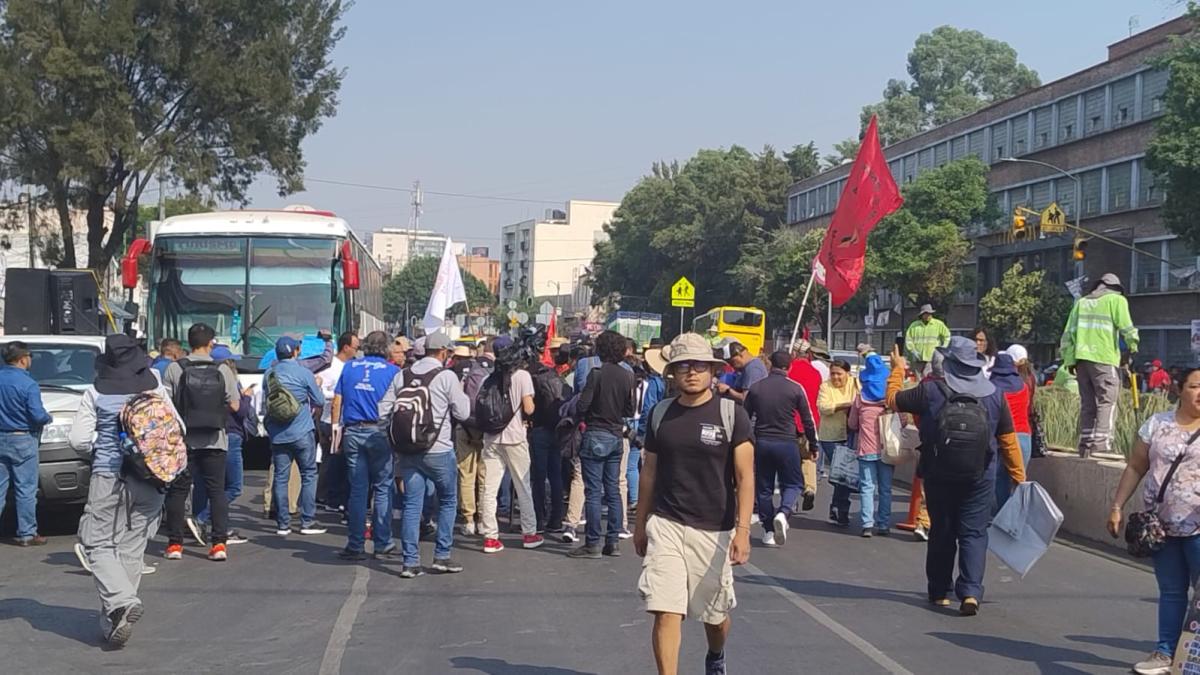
869, 650
331, 662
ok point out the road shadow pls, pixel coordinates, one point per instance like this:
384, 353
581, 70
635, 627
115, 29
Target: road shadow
502, 667
66, 559
1049, 659
832, 589
81, 625
1129, 644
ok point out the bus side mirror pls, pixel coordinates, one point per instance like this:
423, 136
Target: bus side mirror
129, 264
350, 275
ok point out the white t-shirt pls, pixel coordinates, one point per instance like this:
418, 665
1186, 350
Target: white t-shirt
822, 368
520, 386
329, 379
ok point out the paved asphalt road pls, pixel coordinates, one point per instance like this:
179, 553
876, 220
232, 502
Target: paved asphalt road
827, 602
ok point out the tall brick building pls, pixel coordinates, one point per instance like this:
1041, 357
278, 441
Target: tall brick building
1095, 125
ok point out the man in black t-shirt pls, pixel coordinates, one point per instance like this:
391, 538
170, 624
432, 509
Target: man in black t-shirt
698, 478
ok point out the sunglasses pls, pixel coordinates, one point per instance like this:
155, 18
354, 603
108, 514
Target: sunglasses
692, 367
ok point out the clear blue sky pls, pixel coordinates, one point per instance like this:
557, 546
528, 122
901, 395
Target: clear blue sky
550, 100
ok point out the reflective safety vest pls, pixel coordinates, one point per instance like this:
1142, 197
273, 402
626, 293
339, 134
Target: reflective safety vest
922, 339
1095, 328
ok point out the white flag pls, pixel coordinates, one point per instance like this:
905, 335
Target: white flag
448, 289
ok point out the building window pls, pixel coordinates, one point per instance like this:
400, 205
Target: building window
1123, 94
1093, 111
1150, 192
940, 154
1120, 177
1041, 196
1064, 195
1068, 115
975, 144
894, 166
1154, 275
1020, 134
924, 161
1183, 265
1091, 193
1154, 87
958, 148
910, 168
999, 141
1041, 127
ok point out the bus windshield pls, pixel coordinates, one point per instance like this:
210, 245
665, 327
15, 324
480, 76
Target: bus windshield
265, 287
741, 318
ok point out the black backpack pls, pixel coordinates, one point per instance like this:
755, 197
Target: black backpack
493, 404
200, 396
477, 373
964, 433
414, 429
547, 396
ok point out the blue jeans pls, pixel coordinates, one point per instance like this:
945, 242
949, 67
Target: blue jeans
633, 472
600, 459
959, 514
304, 453
369, 464
1176, 568
776, 458
233, 481
839, 508
875, 477
546, 464
1004, 483
419, 471
19, 466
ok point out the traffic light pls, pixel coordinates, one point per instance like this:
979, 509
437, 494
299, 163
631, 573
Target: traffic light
1079, 250
1019, 230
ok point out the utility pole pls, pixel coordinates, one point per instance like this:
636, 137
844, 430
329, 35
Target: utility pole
29, 215
414, 220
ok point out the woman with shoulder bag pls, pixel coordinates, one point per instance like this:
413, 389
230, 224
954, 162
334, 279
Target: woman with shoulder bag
1169, 528
874, 475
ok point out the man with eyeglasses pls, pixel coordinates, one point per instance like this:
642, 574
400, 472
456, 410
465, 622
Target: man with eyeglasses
698, 482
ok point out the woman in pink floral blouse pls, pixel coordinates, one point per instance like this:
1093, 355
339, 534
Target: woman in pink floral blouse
1161, 439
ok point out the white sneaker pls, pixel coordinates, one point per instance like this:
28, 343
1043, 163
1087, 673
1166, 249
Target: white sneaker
569, 536
284, 532
921, 534
466, 529
313, 529
196, 531
754, 519
625, 534
1157, 664
781, 528
148, 569
769, 539
82, 556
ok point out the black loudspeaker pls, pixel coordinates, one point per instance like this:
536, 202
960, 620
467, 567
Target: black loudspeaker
75, 308
27, 302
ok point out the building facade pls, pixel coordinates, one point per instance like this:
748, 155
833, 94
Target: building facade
484, 268
393, 247
1094, 125
546, 258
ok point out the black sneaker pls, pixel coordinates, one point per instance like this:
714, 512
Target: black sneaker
612, 550
585, 551
714, 664
867, 533
351, 555
428, 530
122, 620
234, 537
446, 566
411, 572
883, 531
810, 499
386, 554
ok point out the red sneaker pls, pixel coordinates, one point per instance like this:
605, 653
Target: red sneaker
533, 541
174, 551
217, 553
492, 546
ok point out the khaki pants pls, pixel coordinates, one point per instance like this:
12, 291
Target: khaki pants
623, 483
293, 490
514, 457
575, 496
808, 467
471, 474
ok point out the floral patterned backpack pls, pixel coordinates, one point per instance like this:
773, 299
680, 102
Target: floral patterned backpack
152, 439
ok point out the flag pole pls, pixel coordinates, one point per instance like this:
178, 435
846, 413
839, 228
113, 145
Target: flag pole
803, 304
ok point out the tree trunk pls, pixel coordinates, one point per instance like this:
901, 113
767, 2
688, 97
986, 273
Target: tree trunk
63, 205
95, 231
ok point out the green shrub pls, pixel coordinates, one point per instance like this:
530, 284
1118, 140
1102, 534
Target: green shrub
1058, 410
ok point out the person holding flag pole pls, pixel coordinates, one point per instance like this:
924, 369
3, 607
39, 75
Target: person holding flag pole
448, 290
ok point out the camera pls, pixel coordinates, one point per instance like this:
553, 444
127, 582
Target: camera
526, 348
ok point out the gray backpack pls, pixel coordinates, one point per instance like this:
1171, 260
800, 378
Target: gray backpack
728, 411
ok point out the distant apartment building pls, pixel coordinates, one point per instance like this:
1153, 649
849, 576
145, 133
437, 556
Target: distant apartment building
482, 267
1094, 125
546, 258
393, 247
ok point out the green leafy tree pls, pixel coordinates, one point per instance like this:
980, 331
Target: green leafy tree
181, 205
412, 285
804, 161
954, 73
692, 221
1024, 307
1174, 151
101, 97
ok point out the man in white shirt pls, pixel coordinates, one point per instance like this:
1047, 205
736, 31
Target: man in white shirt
332, 485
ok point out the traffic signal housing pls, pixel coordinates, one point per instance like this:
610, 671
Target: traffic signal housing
1079, 249
1019, 228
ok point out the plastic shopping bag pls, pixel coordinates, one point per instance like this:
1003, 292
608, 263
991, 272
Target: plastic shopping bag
898, 439
843, 470
1022, 530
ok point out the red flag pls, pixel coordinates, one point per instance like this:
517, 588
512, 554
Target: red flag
551, 333
869, 195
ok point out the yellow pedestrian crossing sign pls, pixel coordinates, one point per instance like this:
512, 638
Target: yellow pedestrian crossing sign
683, 293
1054, 221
